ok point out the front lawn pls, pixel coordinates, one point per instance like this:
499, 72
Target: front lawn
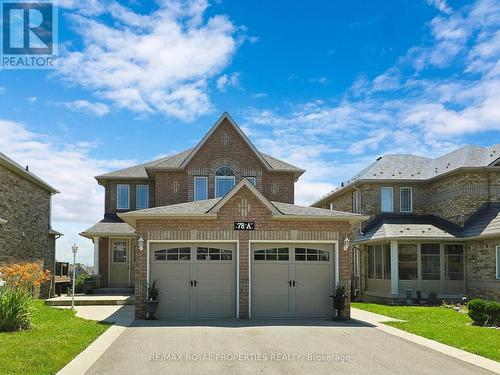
55, 338
443, 325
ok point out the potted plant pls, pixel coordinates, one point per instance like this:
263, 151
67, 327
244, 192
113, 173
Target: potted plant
152, 299
339, 299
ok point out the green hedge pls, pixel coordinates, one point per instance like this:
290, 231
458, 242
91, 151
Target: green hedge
484, 312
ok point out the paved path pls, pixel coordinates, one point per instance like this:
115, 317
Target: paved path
269, 347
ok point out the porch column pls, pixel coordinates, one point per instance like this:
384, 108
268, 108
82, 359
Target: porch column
96, 255
394, 269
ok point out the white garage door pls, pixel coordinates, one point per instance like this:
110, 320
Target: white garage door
292, 280
195, 280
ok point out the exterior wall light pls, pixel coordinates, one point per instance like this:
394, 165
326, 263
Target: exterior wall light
347, 242
140, 243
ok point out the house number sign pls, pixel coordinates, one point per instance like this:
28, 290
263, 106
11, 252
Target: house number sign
244, 225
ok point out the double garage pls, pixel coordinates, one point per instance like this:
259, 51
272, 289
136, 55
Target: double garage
202, 279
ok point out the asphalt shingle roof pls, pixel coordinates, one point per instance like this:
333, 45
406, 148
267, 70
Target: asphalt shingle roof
175, 161
292, 209
420, 168
485, 222
110, 225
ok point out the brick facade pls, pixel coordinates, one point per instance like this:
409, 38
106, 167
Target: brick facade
481, 268
225, 147
25, 236
222, 229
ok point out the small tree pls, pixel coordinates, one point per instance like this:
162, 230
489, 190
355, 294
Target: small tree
339, 299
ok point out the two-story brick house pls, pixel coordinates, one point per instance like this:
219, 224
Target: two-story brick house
434, 224
221, 234
26, 234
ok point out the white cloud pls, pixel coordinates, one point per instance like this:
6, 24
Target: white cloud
412, 107
98, 109
159, 62
259, 95
32, 99
70, 169
228, 80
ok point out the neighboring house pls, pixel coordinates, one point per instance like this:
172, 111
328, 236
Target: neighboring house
221, 234
25, 227
434, 224
80, 269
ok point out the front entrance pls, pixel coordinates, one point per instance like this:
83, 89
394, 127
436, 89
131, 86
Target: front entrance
119, 262
195, 279
453, 281
292, 280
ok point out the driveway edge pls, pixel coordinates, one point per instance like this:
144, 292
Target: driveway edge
377, 320
83, 361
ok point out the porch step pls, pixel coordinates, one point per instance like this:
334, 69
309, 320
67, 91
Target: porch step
90, 300
116, 290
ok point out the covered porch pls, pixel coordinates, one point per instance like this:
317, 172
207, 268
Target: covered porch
398, 259
114, 254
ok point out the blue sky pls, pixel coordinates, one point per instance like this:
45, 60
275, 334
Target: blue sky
326, 85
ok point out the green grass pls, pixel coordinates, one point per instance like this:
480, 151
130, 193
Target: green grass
443, 325
55, 338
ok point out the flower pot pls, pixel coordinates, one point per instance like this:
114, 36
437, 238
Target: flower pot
151, 307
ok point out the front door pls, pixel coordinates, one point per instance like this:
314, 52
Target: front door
119, 267
453, 269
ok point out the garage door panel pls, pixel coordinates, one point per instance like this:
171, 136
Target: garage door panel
271, 306
215, 306
314, 306
171, 306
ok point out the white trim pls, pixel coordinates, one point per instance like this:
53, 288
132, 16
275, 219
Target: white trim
96, 255
237, 242
497, 258
394, 268
118, 198
137, 197
382, 188
231, 178
356, 201
250, 242
195, 185
401, 198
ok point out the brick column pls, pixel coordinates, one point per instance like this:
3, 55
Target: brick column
244, 274
141, 279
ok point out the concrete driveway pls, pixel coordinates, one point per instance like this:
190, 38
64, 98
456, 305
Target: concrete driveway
269, 347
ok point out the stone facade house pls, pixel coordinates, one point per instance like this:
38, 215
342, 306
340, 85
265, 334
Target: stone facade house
434, 225
26, 234
220, 233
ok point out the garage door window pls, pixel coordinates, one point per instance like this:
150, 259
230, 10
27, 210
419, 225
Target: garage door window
272, 254
311, 255
182, 253
205, 253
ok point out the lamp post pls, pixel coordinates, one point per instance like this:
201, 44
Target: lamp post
74, 249
140, 243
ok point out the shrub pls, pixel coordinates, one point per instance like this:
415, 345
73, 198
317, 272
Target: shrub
477, 312
14, 309
432, 298
26, 276
492, 310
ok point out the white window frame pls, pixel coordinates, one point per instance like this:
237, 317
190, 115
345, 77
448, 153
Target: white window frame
195, 186
254, 179
118, 186
386, 188
331, 207
137, 187
497, 261
356, 201
410, 189
231, 178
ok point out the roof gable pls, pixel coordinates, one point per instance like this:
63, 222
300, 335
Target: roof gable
244, 183
225, 116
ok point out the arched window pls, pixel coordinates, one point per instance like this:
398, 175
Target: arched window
224, 181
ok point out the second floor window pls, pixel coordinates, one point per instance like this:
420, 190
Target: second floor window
406, 199
142, 197
224, 181
122, 197
386, 199
356, 201
200, 188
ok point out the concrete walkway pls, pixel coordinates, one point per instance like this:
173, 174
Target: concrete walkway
91, 300
270, 347
121, 316
377, 320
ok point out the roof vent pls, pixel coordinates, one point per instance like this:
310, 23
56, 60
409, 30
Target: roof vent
342, 184
380, 157
27, 168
